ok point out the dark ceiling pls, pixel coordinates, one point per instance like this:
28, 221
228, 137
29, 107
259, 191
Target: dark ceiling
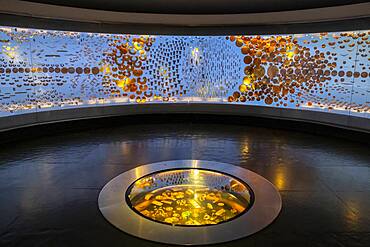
199, 6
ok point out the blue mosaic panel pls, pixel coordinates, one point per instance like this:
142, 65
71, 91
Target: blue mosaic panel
49, 70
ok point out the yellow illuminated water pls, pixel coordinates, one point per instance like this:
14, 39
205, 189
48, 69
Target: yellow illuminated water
189, 197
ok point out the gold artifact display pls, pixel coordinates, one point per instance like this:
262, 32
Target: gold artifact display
190, 197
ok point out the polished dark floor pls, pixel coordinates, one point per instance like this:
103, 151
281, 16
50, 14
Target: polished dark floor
49, 186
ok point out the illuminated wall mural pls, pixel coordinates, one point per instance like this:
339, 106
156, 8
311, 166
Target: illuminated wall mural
48, 70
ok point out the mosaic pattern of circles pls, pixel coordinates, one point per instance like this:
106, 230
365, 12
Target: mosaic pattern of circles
47, 70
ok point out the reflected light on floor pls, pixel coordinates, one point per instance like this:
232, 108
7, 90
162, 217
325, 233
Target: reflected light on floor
280, 180
352, 213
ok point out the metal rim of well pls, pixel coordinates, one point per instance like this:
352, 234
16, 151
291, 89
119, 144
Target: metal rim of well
266, 207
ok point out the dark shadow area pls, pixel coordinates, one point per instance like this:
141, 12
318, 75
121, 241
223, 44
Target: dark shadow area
154, 29
59, 128
198, 7
49, 184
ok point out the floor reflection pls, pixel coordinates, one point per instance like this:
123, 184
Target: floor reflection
49, 186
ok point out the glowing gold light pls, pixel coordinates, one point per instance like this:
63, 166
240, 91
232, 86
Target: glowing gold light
247, 80
189, 197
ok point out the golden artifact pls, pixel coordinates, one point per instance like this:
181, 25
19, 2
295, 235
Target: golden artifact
189, 197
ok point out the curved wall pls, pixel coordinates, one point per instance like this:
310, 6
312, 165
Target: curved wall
294, 17
42, 70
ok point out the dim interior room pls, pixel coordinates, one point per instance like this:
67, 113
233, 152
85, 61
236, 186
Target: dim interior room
197, 123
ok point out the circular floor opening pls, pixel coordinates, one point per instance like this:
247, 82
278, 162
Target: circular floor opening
189, 197
189, 202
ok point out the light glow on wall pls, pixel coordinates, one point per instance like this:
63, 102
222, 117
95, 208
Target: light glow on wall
49, 70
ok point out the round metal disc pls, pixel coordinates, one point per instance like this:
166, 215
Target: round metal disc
266, 207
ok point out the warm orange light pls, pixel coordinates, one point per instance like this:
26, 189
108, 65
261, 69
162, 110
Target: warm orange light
189, 197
